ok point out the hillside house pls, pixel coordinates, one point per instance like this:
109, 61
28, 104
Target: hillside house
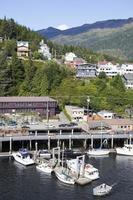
86, 70
23, 49
128, 80
109, 68
44, 50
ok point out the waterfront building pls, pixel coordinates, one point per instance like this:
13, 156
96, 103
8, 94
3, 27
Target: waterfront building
23, 48
86, 70
42, 105
114, 125
76, 113
104, 114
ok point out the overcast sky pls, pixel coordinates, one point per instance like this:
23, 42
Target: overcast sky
39, 14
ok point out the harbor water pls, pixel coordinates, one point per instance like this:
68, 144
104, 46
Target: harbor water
18, 182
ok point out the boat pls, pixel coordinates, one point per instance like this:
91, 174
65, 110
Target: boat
61, 172
63, 175
102, 190
45, 167
127, 150
98, 152
44, 153
23, 157
89, 171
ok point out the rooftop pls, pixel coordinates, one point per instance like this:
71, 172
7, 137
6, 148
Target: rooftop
26, 99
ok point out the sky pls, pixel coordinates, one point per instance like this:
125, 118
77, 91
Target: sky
40, 14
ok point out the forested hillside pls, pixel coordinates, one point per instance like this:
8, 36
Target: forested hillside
114, 42
28, 77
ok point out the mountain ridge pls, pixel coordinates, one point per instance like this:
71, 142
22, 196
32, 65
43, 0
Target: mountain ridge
51, 32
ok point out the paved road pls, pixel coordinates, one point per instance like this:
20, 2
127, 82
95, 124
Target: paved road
63, 118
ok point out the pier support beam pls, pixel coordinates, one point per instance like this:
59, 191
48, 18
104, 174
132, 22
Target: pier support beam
112, 142
10, 148
72, 131
49, 143
85, 143
60, 132
35, 133
58, 143
30, 145
36, 147
92, 141
1, 146
70, 143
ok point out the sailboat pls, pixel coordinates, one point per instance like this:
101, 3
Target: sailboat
100, 151
89, 172
127, 150
62, 173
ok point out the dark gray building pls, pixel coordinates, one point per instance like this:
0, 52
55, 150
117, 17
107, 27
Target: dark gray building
86, 71
128, 80
41, 105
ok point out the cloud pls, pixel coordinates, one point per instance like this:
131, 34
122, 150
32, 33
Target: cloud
63, 27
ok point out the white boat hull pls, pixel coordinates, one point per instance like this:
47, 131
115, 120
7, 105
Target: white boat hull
44, 168
98, 152
89, 171
64, 177
24, 161
102, 190
124, 152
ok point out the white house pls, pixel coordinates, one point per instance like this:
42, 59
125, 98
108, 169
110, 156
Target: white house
110, 69
69, 57
126, 69
104, 114
44, 50
76, 113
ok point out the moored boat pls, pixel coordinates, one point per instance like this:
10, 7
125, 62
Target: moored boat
45, 167
98, 152
127, 150
44, 153
63, 176
89, 171
23, 157
102, 190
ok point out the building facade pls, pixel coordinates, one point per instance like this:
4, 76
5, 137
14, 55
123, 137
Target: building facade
22, 48
41, 105
44, 50
76, 113
86, 71
128, 80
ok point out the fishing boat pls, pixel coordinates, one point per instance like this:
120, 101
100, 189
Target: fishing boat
61, 172
89, 171
23, 157
44, 153
98, 152
45, 167
126, 150
63, 175
102, 190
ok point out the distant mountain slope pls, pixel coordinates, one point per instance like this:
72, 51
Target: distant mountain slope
114, 23
115, 42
